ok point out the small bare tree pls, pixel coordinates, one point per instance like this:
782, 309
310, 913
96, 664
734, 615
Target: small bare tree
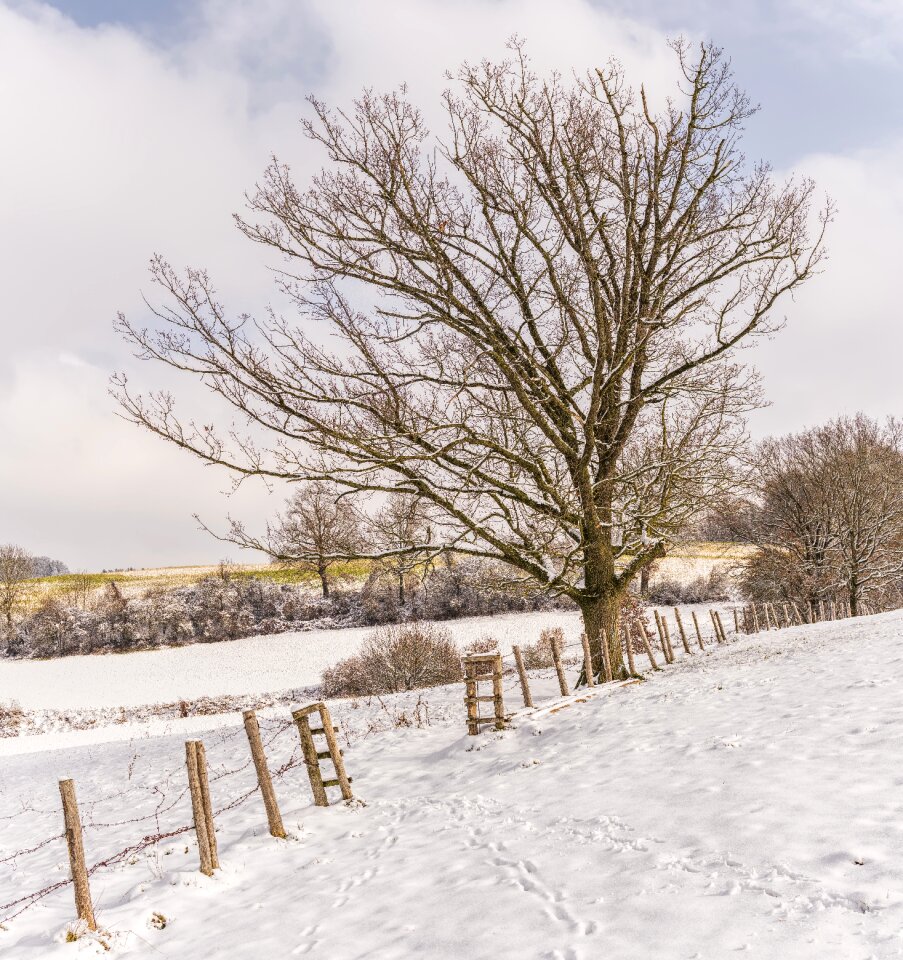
400, 533
863, 478
828, 513
537, 318
16, 568
318, 528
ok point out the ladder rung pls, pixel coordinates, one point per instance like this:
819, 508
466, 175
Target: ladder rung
326, 755
321, 730
479, 699
336, 783
485, 720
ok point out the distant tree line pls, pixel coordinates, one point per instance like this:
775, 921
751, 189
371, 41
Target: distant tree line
825, 508
231, 605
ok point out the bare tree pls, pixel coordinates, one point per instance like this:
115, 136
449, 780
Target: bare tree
537, 318
401, 533
16, 568
828, 514
864, 485
317, 528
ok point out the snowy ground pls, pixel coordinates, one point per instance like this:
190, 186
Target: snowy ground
264, 664
743, 800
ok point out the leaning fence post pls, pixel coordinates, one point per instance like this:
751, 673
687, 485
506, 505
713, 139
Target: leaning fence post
587, 660
698, 631
683, 633
821, 610
197, 807
721, 632
335, 752
648, 648
796, 613
715, 626
661, 636
667, 630
264, 781
559, 668
76, 847
522, 673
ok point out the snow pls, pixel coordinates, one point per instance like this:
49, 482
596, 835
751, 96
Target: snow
745, 800
283, 661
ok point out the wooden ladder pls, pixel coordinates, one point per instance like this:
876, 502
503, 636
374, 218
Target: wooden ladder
312, 756
477, 667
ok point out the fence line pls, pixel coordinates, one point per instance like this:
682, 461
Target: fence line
747, 615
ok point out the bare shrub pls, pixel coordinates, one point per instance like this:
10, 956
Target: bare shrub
11, 718
538, 655
704, 589
394, 659
485, 644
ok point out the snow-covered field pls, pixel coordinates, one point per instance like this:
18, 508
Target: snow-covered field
746, 800
283, 661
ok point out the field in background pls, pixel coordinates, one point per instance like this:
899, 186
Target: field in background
686, 562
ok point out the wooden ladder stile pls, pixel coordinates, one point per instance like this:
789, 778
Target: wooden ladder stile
313, 756
482, 667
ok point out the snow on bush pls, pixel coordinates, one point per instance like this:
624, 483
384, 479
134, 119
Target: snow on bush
394, 659
229, 607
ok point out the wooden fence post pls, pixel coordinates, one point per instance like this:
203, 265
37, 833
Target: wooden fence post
755, 616
811, 612
607, 672
667, 630
647, 646
698, 631
197, 807
628, 640
264, 780
559, 669
522, 673
821, 609
715, 626
736, 622
661, 636
796, 613
683, 633
721, 632
587, 660
208, 806
73, 825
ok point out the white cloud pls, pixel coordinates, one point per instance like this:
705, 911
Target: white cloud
840, 351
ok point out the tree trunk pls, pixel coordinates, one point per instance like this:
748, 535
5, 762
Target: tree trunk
324, 582
603, 615
400, 589
644, 581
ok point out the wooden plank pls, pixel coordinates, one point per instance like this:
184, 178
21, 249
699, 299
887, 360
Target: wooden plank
337, 762
302, 722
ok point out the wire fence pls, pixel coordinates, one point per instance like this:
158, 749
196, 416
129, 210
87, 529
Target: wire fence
170, 790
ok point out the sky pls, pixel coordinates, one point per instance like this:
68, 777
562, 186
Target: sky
136, 127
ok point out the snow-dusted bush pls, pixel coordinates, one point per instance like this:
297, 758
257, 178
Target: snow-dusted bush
394, 659
706, 589
229, 606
